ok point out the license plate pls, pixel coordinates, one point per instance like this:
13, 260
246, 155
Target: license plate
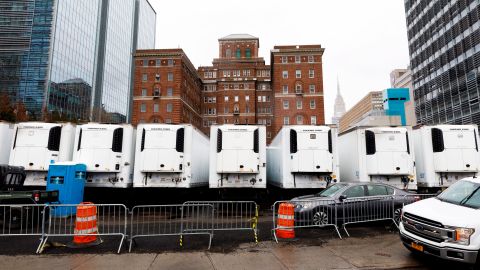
417, 247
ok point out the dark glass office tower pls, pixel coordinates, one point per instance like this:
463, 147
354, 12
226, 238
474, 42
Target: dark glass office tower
444, 44
72, 58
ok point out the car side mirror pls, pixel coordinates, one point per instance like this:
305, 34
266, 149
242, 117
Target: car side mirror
342, 197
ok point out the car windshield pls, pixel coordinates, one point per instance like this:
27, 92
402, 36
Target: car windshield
464, 193
331, 190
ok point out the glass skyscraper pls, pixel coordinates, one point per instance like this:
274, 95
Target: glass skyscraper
444, 44
72, 58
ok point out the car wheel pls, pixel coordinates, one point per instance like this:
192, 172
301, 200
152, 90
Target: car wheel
397, 214
320, 218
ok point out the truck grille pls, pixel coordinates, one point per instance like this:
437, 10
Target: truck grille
426, 228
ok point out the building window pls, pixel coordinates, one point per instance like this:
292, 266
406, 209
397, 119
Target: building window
247, 98
298, 74
285, 105
286, 120
313, 120
285, 74
299, 104
168, 121
169, 91
236, 73
170, 62
236, 98
156, 92
144, 77
226, 73
297, 58
247, 109
158, 62
155, 107
312, 104
226, 99
228, 53
310, 59
169, 107
269, 134
285, 89
143, 107
225, 110
248, 53
157, 77
299, 120
311, 73
144, 92
145, 63
312, 88
298, 88
170, 77
284, 59
246, 72
268, 98
238, 53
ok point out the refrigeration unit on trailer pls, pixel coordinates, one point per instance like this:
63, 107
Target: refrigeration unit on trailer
378, 154
303, 157
170, 156
107, 150
445, 154
238, 156
36, 145
6, 134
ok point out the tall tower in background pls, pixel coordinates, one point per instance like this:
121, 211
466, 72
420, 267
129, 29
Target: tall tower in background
339, 106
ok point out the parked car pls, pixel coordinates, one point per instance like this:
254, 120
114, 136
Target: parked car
353, 201
447, 226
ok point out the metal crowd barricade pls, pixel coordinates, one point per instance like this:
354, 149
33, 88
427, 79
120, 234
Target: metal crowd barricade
233, 215
22, 220
169, 220
111, 220
367, 209
309, 214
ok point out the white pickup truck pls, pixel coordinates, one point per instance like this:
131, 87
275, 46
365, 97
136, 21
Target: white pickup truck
447, 226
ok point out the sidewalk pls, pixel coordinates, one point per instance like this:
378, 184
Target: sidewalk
379, 252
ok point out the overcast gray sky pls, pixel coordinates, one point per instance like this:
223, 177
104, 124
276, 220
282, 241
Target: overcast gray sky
363, 40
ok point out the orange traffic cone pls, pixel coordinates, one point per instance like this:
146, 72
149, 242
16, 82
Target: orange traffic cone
85, 233
286, 221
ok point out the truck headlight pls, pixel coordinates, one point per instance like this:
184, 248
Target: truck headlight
462, 235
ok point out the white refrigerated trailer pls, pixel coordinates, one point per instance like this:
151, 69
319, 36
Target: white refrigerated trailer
36, 145
378, 154
303, 157
172, 156
238, 156
6, 134
108, 151
445, 154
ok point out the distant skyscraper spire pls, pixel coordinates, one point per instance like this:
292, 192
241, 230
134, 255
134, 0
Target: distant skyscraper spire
339, 107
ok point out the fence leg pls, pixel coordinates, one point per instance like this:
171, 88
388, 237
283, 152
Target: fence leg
42, 245
130, 245
121, 243
181, 240
345, 229
210, 241
338, 232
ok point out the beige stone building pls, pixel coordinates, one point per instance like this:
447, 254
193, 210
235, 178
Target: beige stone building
373, 101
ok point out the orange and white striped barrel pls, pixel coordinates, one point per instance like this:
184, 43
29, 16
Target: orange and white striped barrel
286, 221
85, 223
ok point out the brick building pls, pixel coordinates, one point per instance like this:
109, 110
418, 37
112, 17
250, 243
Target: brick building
236, 88
297, 82
167, 88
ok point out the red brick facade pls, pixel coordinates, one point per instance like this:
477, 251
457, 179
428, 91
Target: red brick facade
237, 89
297, 81
167, 88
